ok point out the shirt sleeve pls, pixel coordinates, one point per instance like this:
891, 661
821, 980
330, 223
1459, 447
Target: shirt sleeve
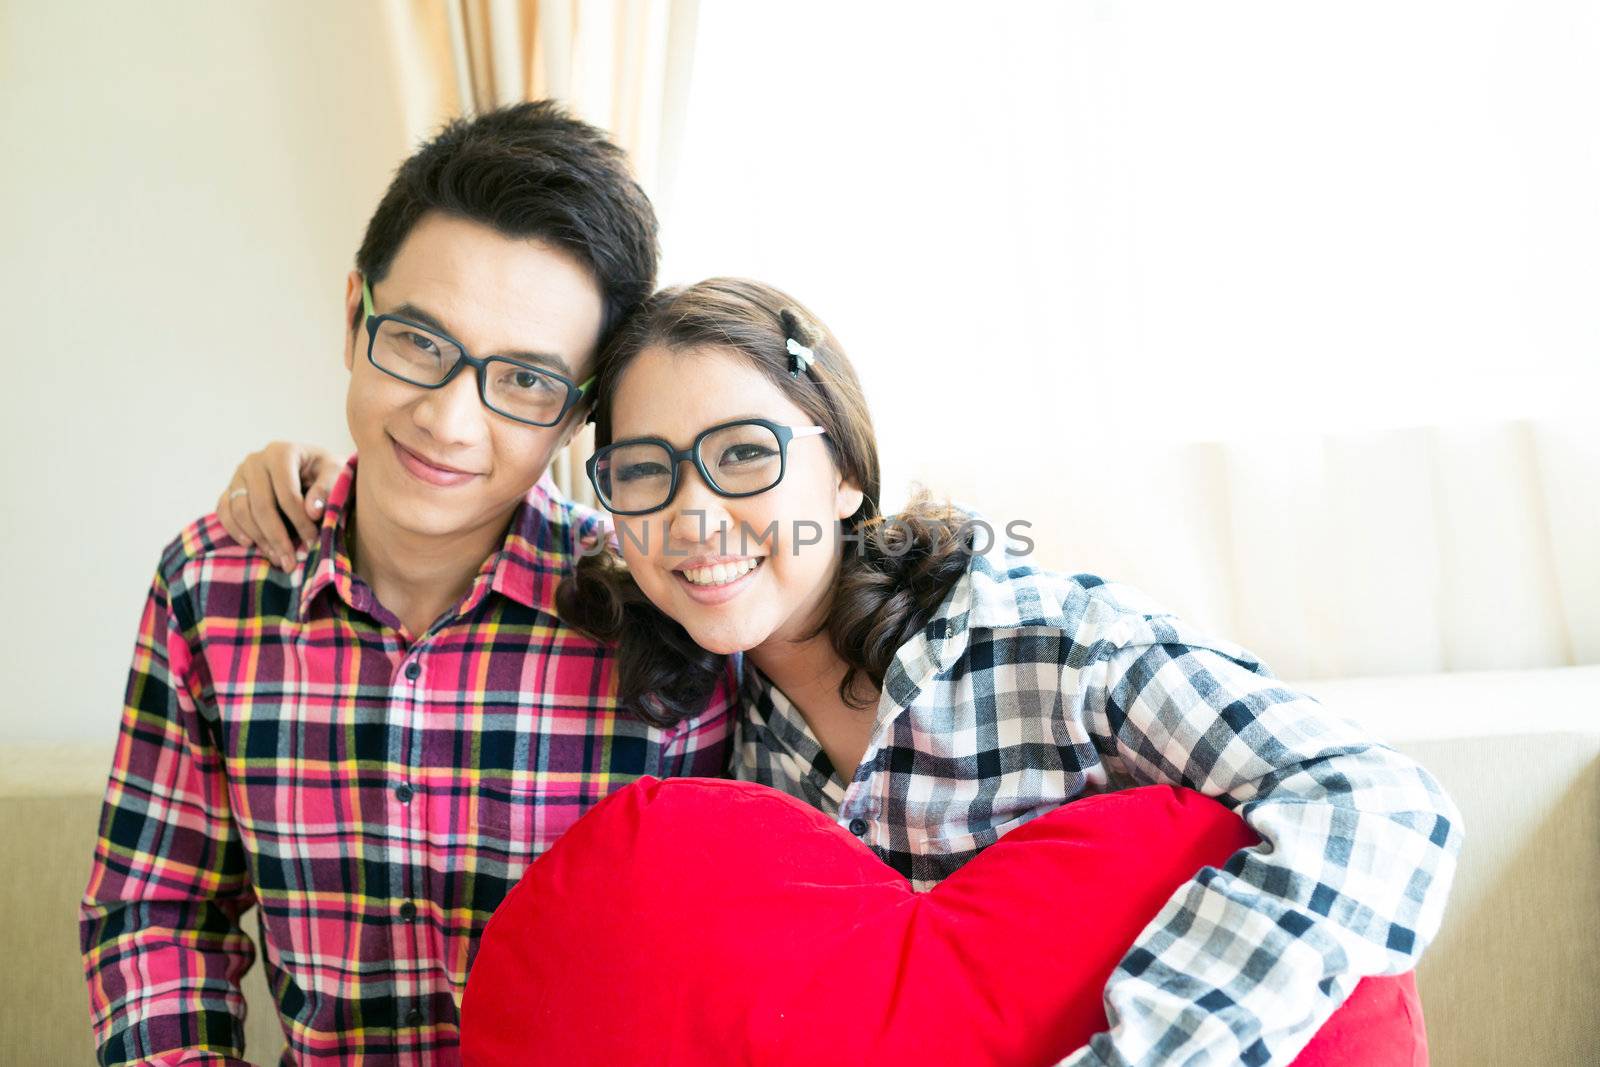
1358, 848
159, 921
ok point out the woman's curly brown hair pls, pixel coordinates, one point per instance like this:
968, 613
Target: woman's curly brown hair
893, 573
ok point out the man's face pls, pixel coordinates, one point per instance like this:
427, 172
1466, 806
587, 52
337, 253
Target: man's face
436, 462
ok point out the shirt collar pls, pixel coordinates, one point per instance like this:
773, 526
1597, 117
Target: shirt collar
995, 592
773, 718
976, 600
541, 545
326, 563
545, 540
992, 593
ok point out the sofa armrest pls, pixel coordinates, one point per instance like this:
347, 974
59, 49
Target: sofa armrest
49, 815
1511, 977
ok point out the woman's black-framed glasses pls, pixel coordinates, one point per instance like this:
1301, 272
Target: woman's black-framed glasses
423, 356
735, 459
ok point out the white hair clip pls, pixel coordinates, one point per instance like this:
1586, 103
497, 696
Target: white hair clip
800, 357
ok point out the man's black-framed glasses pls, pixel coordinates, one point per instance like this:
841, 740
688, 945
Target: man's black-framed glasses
735, 459
423, 356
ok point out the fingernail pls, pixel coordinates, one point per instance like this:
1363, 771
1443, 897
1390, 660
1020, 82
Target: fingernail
316, 505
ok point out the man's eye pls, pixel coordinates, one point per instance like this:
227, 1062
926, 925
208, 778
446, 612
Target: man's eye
526, 381
423, 343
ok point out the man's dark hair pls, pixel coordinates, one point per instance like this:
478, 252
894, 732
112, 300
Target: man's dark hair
528, 170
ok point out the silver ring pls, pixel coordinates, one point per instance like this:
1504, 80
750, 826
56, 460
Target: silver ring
238, 493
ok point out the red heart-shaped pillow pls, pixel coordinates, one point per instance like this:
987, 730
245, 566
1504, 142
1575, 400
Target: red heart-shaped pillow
715, 923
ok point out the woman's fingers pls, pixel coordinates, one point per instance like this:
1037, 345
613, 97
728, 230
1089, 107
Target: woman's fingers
271, 536
283, 467
319, 469
265, 505
228, 515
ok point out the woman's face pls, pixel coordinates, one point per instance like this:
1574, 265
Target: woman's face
711, 562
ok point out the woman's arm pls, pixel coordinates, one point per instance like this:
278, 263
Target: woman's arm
1358, 848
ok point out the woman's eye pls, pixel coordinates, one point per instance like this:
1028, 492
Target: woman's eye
634, 472
745, 454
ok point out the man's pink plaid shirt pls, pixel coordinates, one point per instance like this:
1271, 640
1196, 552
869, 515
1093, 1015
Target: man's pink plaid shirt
286, 744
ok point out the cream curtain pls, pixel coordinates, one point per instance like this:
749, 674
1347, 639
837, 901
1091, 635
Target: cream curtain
1296, 361
620, 64
1446, 548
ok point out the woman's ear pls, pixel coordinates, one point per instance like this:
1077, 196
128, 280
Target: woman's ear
848, 499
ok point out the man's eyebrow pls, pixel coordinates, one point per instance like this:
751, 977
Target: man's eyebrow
425, 318
421, 317
549, 359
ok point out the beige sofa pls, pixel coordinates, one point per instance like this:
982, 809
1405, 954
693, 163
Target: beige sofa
1514, 977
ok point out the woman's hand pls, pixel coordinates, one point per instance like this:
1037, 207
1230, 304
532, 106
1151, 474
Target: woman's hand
284, 481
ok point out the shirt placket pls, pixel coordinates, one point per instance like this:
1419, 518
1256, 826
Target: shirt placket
408, 816
863, 802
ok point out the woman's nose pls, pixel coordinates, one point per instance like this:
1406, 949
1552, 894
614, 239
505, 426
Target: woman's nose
697, 513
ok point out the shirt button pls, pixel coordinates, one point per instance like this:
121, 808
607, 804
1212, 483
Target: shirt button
858, 827
403, 792
413, 669
414, 1017
408, 911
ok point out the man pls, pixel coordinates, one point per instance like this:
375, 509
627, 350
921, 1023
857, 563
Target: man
373, 746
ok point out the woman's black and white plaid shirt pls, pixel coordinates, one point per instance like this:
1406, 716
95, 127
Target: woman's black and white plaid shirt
1028, 689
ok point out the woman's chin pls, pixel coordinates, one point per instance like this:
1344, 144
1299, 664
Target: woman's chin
723, 643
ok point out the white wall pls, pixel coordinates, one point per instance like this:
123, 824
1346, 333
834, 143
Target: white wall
184, 186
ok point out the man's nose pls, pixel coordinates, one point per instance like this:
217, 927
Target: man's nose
453, 413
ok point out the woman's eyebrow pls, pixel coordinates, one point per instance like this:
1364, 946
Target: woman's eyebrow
701, 430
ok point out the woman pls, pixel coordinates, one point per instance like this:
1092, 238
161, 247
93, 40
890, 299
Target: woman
930, 698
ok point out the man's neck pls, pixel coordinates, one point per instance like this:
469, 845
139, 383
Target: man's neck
418, 577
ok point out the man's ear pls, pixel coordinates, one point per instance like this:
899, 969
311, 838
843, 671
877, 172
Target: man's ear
574, 424
578, 420
352, 313
848, 497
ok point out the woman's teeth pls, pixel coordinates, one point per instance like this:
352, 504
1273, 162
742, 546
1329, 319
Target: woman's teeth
721, 573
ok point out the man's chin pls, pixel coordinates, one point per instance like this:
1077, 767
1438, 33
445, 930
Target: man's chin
423, 522
428, 511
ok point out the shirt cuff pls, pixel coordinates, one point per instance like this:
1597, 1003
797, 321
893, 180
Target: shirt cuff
1084, 1057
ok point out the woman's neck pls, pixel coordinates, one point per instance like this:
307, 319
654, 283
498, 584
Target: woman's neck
808, 673
798, 667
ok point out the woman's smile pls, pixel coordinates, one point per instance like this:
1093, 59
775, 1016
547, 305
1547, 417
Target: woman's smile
716, 580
